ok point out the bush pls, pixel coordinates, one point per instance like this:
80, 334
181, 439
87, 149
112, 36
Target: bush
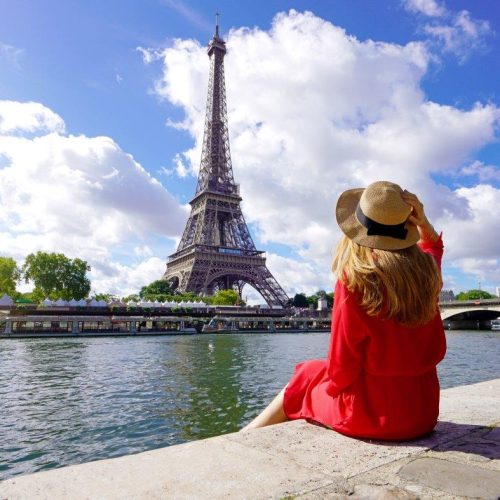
474, 295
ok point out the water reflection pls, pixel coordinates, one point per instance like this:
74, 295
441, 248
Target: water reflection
211, 402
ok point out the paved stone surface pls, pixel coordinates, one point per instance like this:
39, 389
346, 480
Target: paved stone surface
213, 468
457, 479
375, 492
325, 451
461, 459
472, 404
360, 492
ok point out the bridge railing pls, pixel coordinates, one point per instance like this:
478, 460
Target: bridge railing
470, 303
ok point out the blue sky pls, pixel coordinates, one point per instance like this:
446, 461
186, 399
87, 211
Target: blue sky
111, 105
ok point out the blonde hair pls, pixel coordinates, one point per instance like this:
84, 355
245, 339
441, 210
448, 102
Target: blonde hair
402, 285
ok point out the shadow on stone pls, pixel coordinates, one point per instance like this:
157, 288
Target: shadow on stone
482, 441
450, 436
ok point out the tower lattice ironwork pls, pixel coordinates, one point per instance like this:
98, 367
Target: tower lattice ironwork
216, 250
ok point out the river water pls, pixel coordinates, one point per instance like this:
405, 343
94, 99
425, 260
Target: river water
66, 401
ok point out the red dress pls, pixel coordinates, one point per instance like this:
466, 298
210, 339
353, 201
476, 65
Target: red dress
379, 380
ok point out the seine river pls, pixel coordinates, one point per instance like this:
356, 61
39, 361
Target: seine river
66, 401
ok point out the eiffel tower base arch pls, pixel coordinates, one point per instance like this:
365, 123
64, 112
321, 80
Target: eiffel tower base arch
204, 273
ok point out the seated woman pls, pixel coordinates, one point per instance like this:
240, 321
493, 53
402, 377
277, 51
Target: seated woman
379, 380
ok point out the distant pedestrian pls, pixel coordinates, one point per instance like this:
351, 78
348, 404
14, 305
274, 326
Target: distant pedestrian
379, 380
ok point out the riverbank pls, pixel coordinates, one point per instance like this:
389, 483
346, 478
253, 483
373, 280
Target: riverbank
191, 331
461, 459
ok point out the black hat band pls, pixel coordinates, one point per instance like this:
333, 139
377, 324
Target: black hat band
376, 229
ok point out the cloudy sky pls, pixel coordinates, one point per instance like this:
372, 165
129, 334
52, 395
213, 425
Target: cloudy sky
101, 119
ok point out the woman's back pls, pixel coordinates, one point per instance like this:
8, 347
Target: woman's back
390, 348
382, 375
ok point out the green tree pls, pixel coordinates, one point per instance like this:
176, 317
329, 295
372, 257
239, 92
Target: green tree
226, 298
300, 300
131, 298
151, 291
474, 295
28, 296
107, 297
10, 276
56, 276
312, 300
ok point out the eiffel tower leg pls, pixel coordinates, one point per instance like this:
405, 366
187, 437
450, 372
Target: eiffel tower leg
268, 287
196, 282
238, 287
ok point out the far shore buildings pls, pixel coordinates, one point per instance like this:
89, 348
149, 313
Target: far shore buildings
446, 295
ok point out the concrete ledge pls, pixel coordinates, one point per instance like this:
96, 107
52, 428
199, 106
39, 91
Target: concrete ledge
460, 460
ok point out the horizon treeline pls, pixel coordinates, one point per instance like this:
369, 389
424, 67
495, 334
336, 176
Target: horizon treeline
55, 276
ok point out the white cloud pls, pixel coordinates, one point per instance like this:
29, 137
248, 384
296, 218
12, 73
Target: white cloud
429, 8
83, 196
11, 53
143, 251
148, 55
297, 277
485, 272
17, 117
313, 111
483, 173
180, 168
167, 172
122, 280
461, 35
454, 32
475, 235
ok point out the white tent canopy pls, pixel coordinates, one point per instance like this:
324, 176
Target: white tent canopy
117, 303
6, 301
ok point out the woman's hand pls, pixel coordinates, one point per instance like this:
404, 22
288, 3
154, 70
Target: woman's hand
418, 217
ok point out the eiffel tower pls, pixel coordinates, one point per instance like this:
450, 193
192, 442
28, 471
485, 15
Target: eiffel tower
216, 251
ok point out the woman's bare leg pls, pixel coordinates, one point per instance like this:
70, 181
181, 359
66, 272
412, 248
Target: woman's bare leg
272, 414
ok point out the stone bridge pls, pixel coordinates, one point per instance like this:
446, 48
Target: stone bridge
470, 309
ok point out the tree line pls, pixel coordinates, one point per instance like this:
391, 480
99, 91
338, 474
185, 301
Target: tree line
53, 275
56, 276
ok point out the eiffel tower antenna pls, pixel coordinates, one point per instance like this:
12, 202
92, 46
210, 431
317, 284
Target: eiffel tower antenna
216, 251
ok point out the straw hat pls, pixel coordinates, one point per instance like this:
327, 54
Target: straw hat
376, 217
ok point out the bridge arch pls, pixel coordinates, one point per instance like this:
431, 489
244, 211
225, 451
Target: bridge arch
471, 312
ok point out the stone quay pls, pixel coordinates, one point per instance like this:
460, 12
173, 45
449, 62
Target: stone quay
460, 459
